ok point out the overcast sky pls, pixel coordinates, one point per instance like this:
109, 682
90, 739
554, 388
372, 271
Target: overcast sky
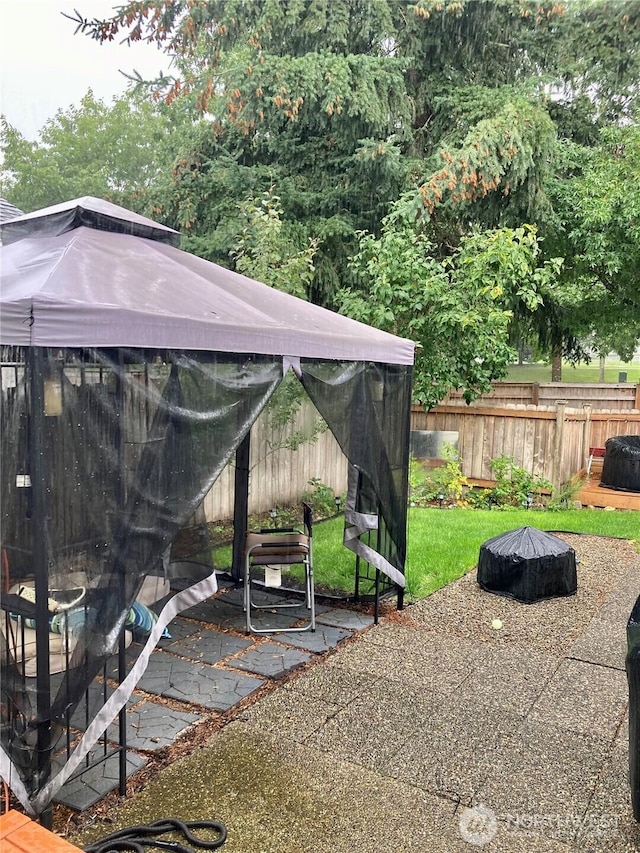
44, 67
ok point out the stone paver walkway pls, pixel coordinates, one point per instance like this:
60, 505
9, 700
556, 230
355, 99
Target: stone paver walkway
431, 732
207, 664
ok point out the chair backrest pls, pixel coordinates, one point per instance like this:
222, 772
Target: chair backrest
307, 518
276, 543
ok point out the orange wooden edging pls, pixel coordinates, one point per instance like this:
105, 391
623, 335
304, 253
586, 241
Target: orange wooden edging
592, 494
20, 834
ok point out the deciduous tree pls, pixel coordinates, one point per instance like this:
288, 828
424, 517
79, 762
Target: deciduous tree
119, 152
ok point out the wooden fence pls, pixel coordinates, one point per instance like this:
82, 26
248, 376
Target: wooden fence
280, 476
606, 395
548, 441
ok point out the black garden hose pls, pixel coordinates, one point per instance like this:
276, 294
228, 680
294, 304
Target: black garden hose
138, 839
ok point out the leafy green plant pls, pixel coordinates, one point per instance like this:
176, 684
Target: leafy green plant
450, 476
480, 498
423, 489
266, 252
282, 408
286, 516
562, 498
320, 497
514, 485
446, 483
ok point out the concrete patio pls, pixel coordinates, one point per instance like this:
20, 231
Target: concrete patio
431, 731
207, 667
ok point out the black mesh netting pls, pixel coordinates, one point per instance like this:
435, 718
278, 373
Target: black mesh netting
106, 454
364, 405
528, 565
621, 466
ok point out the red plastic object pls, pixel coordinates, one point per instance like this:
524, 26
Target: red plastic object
20, 834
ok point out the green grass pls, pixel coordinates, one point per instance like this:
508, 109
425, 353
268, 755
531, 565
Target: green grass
443, 544
333, 563
582, 373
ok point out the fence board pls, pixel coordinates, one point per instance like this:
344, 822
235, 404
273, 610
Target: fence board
622, 395
528, 444
539, 448
477, 438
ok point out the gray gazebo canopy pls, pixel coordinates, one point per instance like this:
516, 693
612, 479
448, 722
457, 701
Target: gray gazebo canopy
89, 273
136, 372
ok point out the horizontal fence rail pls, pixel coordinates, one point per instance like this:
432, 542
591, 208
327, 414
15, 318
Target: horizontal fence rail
597, 395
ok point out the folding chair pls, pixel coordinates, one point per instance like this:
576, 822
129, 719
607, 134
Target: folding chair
270, 550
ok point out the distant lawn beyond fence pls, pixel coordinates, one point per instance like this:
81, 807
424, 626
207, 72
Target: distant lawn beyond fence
582, 373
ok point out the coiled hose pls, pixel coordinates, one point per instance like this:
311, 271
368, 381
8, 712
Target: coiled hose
138, 839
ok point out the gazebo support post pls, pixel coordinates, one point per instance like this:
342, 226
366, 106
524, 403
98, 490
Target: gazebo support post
240, 507
39, 476
122, 646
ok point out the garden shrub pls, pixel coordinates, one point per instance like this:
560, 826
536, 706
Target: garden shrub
514, 486
447, 481
321, 498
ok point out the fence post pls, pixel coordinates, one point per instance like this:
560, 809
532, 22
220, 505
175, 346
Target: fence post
636, 405
586, 432
535, 393
556, 467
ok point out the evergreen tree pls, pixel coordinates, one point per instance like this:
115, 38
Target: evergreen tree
455, 116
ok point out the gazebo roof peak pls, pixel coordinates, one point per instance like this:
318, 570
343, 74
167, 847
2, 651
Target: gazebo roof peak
88, 211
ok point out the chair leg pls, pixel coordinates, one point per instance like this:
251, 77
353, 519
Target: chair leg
247, 596
309, 602
307, 585
310, 594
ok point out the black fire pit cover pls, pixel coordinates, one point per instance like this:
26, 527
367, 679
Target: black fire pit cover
527, 564
621, 466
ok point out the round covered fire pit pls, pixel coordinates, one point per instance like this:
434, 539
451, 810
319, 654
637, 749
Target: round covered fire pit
527, 564
621, 466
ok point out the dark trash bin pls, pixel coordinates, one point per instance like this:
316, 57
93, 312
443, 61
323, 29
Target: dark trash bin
621, 465
633, 679
528, 565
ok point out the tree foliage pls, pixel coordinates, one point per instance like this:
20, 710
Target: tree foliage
456, 309
306, 98
426, 133
118, 152
264, 251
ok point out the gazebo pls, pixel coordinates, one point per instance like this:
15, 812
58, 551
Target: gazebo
131, 375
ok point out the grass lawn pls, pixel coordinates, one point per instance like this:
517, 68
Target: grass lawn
444, 543
582, 373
